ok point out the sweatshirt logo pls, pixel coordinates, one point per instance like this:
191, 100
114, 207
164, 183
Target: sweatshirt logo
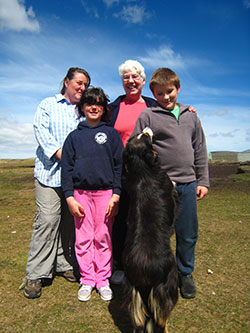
101, 138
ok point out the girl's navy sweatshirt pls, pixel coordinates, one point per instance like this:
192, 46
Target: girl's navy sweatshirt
92, 159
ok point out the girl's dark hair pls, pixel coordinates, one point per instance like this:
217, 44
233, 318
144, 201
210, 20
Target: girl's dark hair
70, 75
95, 95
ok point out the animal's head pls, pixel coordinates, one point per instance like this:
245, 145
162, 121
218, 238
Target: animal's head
139, 151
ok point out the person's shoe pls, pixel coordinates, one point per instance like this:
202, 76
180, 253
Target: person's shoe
187, 286
84, 293
105, 293
117, 277
68, 275
33, 288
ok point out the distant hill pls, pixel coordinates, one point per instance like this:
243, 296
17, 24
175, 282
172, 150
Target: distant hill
229, 151
230, 156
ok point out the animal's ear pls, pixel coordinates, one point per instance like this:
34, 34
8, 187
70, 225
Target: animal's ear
147, 131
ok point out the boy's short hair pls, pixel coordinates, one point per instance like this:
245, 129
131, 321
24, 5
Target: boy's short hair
130, 65
163, 76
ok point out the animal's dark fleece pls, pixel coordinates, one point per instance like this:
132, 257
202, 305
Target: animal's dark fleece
149, 264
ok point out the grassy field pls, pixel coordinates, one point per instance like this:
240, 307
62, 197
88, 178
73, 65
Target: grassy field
222, 302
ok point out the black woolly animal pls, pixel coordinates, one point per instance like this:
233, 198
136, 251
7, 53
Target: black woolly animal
149, 264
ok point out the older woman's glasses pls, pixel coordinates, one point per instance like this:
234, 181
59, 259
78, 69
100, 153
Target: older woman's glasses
134, 77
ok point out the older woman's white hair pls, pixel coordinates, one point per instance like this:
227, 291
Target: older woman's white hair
130, 65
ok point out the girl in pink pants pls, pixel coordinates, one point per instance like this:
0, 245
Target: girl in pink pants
93, 238
91, 181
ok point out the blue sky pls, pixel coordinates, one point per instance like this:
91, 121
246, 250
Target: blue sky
207, 42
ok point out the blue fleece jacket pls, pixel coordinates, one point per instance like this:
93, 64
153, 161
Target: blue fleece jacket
92, 159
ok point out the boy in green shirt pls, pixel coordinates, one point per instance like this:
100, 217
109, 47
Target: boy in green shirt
179, 140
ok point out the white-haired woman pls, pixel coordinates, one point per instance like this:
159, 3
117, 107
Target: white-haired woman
125, 111
126, 108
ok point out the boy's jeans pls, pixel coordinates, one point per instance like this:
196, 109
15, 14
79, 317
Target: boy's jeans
186, 228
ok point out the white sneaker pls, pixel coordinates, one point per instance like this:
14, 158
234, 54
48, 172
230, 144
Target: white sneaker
84, 293
117, 277
105, 293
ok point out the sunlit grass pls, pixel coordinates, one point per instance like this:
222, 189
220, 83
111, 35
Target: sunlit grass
222, 303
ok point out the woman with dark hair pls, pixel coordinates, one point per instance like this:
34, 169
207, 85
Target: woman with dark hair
55, 118
71, 74
91, 182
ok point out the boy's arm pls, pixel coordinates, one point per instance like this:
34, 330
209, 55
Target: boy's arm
201, 192
201, 160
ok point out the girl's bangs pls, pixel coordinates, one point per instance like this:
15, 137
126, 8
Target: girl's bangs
94, 100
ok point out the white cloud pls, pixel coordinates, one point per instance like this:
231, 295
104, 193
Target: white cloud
227, 130
14, 16
16, 139
90, 10
248, 136
222, 112
232, 113
230, 134
133, 14
246, 3
110, 3
164, 56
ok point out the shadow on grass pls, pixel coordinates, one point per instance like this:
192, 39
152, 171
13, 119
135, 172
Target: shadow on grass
119, 312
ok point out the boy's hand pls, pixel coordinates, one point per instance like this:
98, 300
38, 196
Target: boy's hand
113, 206
201, 192
75, 208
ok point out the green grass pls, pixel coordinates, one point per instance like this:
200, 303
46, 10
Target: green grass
222, 302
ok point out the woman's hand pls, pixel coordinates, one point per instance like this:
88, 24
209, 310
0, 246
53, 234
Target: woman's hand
58, 154
113, 206
75, 208
192, 109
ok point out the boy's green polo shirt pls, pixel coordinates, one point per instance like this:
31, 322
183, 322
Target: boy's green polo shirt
176, 111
